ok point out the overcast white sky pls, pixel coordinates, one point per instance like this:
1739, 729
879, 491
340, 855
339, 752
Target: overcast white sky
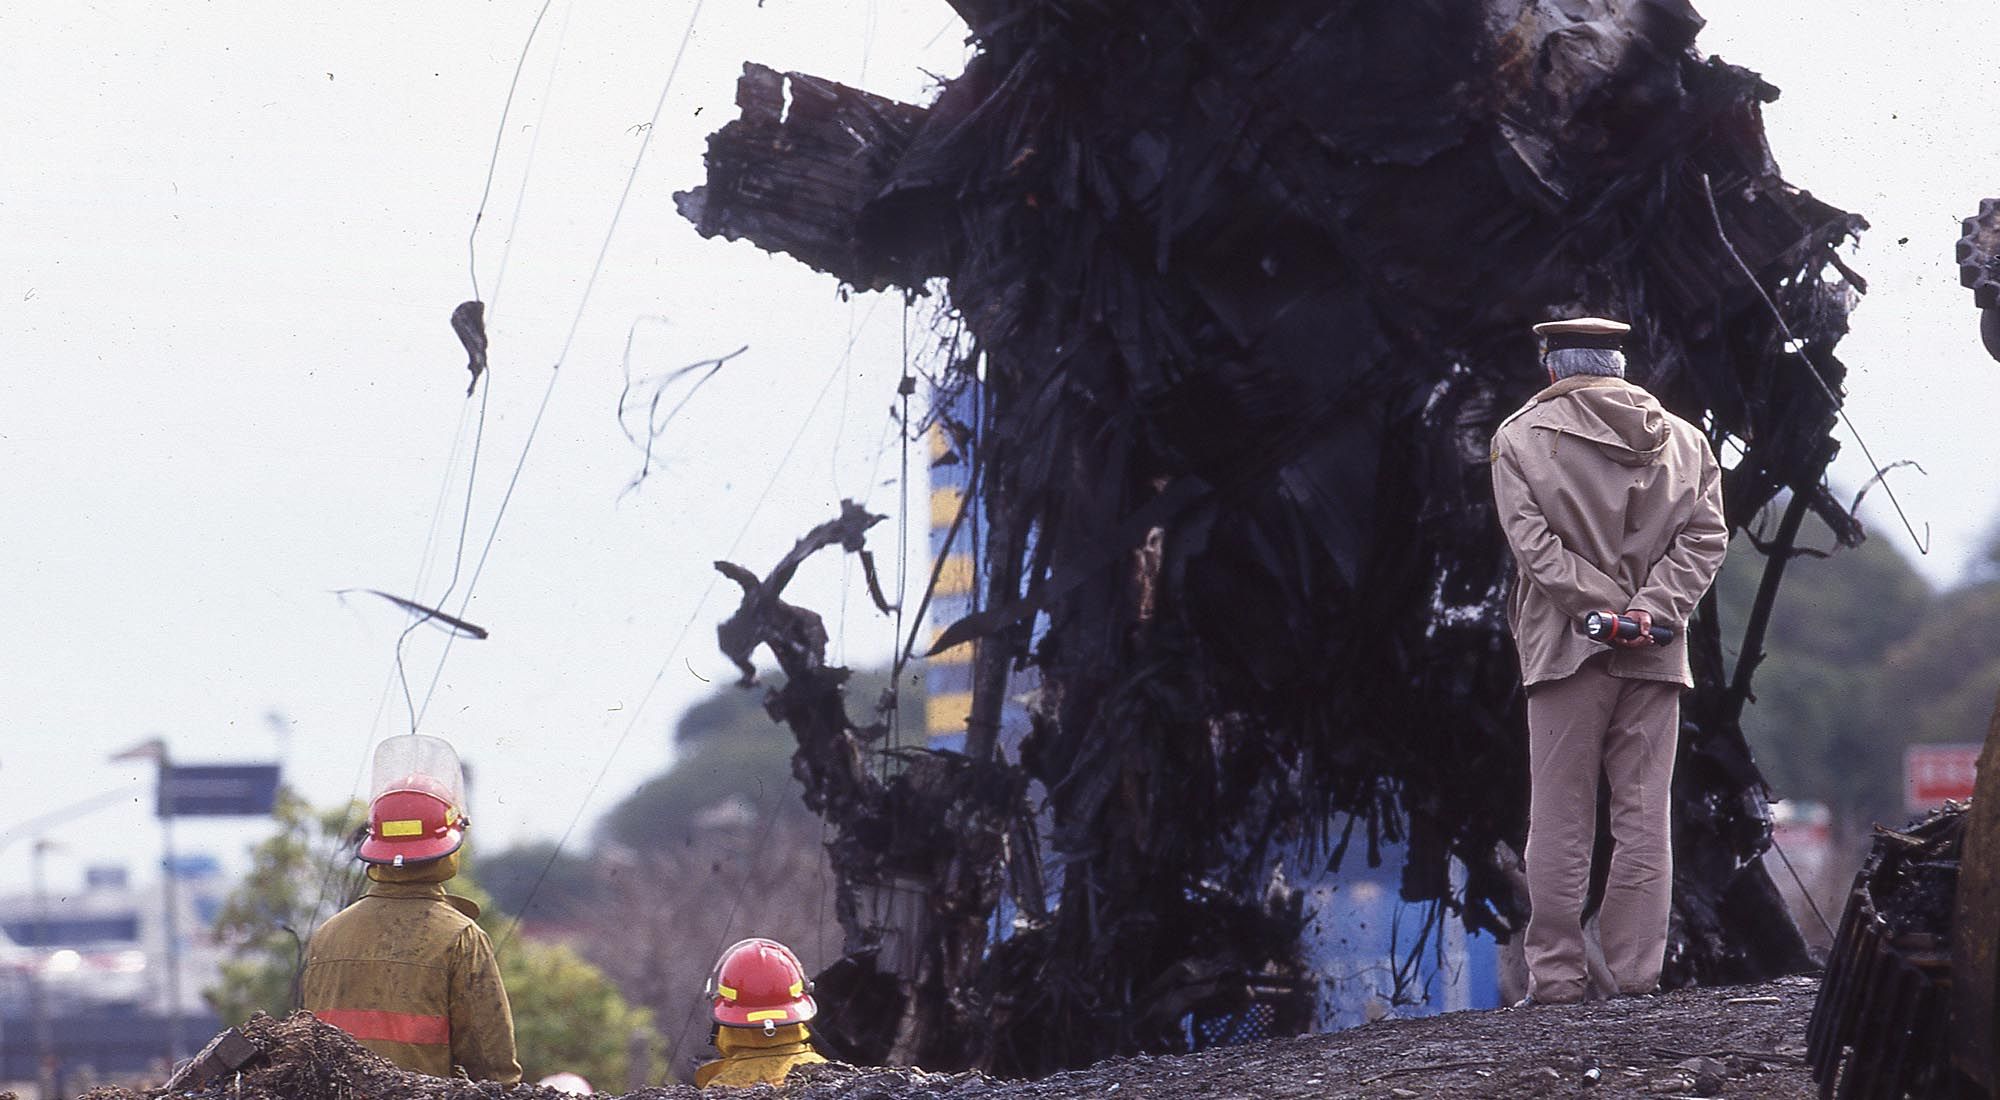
231, 234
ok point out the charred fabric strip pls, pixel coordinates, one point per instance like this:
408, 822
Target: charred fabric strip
1291, 252
427, 614
655, 423
917, 856
469, 321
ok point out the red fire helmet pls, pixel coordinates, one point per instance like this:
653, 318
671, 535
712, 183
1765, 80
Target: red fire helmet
414, 823
416, 801
760, 983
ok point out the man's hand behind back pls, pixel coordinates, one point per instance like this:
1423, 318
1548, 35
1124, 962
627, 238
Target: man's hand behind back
1645, 636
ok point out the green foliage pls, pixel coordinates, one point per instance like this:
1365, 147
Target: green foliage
1816, 724
569, 1016
569, 886
1941, 680
755, 772
1863, 660
306, 864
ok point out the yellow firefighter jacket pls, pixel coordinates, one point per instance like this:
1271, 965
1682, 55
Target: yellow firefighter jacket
407, 972
750, 1057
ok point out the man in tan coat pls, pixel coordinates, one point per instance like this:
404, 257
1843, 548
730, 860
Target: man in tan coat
1609, 504
405, 969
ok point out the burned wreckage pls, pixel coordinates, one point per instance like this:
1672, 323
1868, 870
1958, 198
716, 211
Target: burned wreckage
1245, 288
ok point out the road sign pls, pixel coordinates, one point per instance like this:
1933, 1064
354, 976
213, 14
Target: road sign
217, 790
195, 865
1933, 773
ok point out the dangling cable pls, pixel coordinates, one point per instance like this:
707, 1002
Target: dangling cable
639, 709
493, 162
905, 386
569, 338
1923, 544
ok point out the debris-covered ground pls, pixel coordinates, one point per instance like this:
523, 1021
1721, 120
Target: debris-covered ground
1731, 1041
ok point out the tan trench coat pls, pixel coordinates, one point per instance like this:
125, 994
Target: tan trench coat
407, 972
1609, 503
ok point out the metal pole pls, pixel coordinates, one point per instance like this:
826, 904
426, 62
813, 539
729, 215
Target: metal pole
173, 928
45, 1039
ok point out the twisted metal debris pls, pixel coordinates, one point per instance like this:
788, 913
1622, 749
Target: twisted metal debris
1253, 281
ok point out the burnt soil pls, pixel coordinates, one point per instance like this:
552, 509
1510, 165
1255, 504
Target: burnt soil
1741, 1041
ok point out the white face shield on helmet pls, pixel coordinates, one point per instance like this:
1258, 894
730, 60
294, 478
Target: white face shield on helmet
418, 762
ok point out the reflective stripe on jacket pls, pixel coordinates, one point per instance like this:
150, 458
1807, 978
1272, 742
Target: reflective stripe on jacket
750, 1057
408, 974
1609, 502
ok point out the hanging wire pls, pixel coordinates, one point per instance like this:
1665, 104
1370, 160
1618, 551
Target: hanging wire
569, 338
457, 563
528, 165
869, 23
397, 673
1792, 342
728, 922
905, 385
1810, 900
506, 253
680, 638
904, 388
656, 424
493, 162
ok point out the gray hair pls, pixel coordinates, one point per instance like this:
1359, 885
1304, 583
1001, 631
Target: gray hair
1564, 362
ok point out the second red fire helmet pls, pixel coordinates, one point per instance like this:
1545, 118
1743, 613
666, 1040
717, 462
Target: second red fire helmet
759, 983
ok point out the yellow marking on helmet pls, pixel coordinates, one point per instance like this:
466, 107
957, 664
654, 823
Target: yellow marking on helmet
450, 816
798, 988
767, 1014
725, 992
402, 828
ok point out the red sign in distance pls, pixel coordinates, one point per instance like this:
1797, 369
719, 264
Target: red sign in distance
1933, 773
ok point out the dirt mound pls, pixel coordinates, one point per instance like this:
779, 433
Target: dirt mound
1739, 1042
305, 1059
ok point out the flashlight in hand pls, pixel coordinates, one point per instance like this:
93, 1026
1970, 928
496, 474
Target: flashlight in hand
1607, 626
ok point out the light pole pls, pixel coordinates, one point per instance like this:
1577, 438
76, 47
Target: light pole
45, 1039
200, 790
170, 877
155, 749
38, 1007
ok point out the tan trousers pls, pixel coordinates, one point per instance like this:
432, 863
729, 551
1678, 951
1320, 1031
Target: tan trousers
1577, 726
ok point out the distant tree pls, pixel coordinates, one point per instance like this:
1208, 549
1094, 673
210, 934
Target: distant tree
568, 1015
717, 848
1940, 682
1818, 724
731, 758
670, 911
307, 864
734, 774
561, 884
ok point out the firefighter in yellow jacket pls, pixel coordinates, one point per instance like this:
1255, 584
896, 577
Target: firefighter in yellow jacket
760, 1000
404, 969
